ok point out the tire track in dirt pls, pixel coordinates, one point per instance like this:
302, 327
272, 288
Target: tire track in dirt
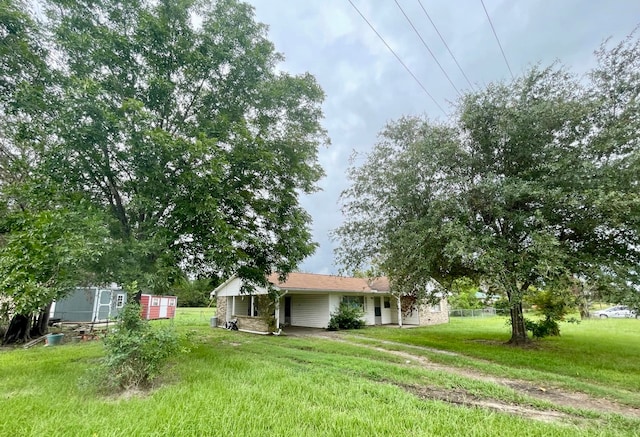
554, 395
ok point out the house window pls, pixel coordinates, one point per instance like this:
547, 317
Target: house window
387, 302
354, 300
155, 302
120, 301
252, 305
435, 308
172, 302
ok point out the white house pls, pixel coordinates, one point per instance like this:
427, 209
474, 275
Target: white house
308, 299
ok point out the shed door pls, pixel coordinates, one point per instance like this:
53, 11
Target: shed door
104, 305
164, 306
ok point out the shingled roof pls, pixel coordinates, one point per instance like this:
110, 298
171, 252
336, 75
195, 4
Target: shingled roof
316, 282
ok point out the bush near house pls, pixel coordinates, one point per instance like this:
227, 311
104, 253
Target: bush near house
347, 316
136, 351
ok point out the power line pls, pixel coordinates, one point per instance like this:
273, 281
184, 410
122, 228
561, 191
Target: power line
497, 39
427, 47
399, 60
445, 44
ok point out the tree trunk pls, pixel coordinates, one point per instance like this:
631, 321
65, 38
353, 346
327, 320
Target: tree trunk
584, 306
518, 332
582, 294
40, 326
584, 312
18, 331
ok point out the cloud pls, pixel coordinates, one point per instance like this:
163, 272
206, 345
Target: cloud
366, 87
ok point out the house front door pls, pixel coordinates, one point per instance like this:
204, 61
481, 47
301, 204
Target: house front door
287, 310
378, 310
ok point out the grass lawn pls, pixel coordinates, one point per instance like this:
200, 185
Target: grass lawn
231, 383
193, 316
598, 356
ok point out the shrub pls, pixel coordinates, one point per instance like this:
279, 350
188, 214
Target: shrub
135, 351
554, 307
463, 295
347, 316
543, 328
502, 306
193, 293
266, 310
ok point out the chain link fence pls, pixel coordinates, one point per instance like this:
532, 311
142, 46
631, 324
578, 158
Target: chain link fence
484, 312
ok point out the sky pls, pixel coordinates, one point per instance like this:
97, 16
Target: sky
366, 86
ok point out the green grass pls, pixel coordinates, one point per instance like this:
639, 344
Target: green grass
193, 316
231, 383
597, 356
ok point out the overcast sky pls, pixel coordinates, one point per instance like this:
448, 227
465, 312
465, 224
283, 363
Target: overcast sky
366, 86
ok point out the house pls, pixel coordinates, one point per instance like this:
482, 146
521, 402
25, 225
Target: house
89, 304
157, 307
308, 299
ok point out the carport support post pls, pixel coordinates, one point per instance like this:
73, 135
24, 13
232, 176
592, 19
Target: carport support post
399, 312
233, 306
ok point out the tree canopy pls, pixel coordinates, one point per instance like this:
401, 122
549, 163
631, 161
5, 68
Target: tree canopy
171, 118
45, 254
534, 184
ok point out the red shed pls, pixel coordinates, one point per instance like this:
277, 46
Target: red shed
158, 307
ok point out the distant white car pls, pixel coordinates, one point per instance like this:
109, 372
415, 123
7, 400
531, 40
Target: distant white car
618, 311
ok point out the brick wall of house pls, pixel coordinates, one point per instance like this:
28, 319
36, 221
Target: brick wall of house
257, 324
221, 310
430, 317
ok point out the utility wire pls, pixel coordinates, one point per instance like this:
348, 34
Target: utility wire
497, 39
399, 60
427, 47
445, 44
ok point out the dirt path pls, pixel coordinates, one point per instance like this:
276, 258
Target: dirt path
554, 395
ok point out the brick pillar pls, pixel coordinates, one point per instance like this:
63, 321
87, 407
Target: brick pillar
221, 310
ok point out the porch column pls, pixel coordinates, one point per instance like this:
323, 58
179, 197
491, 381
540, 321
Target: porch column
399, 312
233, 306
252, 306
277, 313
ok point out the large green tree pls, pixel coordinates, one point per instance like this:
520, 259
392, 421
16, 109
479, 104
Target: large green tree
41, 246
534, 184
43, 256
26, 84
177, 120
174, 120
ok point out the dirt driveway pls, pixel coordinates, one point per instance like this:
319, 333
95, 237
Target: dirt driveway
555, 395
